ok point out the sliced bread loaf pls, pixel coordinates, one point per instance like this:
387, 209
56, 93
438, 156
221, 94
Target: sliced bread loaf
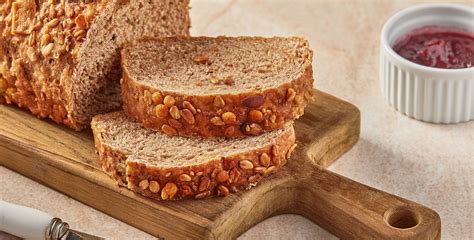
61, 59
164, 167
214, 87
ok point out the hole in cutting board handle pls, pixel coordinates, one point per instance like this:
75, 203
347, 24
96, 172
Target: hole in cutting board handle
401, 217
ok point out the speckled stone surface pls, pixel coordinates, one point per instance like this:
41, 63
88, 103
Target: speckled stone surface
430, 164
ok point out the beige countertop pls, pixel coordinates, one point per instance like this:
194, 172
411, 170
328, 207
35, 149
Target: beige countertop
427, 163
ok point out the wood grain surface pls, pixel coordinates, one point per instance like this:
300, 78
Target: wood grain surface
65, 160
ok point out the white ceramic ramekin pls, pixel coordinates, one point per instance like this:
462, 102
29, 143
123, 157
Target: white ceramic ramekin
426, 93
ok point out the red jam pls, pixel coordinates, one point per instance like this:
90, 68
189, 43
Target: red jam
439, 47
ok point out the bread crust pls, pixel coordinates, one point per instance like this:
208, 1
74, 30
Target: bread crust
113, 160
218, 177
40, 47
228, 115
41, 40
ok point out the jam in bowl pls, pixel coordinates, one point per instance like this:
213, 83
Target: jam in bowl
439, 47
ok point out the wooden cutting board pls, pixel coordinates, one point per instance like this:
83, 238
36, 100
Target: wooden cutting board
65, 160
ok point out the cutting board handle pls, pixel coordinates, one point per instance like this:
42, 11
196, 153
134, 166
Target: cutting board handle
356, 211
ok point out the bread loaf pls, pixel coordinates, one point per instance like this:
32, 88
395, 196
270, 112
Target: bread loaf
171, 167
216, 87
60, 59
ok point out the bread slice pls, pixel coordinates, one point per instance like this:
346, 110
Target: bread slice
61, 59
165, 167
214, 87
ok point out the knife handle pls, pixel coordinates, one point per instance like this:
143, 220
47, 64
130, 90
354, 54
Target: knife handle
29, 223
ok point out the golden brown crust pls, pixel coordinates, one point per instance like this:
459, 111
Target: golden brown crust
41, 40
225, 115
42, 44
213, 178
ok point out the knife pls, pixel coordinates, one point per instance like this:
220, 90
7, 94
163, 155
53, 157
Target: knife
33, 224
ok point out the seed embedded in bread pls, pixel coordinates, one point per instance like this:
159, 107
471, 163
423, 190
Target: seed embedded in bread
175, 124
154, 186
169, 101
270, 170
189, 106
174, 111
219, 102
214, 80
52, 23
203, 195
161, 110
219, 77
275, 151
47, 50
79, 34
229, 118
81, 22
255, 115
222, 176
169, 191
157, 97
205, 184
246, 164
260, 170
253, 129
222, 191
143, 184
253, 101
184, 178
159, 166
169, 130
188, 116
234, 175
265, 160
45, 39
217, 121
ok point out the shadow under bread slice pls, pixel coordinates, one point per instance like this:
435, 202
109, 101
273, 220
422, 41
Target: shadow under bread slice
167, 167
216, 87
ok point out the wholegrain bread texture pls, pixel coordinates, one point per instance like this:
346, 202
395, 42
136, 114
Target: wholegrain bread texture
167, 167
61, 60
216, 87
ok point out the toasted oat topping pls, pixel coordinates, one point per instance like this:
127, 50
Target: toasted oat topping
43, 38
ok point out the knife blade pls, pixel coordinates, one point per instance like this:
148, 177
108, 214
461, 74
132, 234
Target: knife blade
77, 235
